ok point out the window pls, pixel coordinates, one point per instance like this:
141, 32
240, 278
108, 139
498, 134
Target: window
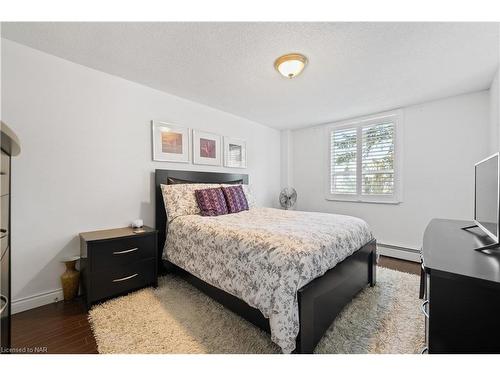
364, 159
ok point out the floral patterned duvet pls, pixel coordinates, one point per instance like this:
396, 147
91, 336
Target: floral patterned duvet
264, 256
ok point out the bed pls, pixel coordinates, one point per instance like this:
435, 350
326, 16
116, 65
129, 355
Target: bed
290, 273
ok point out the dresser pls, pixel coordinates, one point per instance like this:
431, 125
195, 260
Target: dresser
9, 147
460, 288
117, 261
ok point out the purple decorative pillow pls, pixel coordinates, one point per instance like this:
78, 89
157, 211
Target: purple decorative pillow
235, 198
211, 202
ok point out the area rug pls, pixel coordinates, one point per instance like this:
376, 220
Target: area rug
177, 318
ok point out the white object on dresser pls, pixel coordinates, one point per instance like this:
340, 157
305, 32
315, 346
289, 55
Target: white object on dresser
138, 223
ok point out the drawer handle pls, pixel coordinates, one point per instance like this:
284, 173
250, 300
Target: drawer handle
5, 302
425, 350
425, 303
125, 251
125, 278
3, 233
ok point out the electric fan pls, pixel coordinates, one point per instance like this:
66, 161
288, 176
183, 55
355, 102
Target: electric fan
288, 197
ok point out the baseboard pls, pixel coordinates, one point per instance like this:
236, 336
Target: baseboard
37, 300
398, 252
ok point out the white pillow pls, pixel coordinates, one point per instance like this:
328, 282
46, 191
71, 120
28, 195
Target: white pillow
252, 202
180, 199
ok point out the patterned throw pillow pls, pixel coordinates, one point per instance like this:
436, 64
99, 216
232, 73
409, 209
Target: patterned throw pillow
180, 200
252, 202
211, 202
235, 198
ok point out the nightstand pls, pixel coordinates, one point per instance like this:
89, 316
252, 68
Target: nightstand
117, 261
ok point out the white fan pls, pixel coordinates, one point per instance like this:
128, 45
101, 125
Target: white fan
288, 197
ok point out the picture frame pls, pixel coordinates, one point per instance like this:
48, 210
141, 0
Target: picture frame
235, 153
207, 148
170, 142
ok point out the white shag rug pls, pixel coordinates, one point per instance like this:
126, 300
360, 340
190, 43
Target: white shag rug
177, 318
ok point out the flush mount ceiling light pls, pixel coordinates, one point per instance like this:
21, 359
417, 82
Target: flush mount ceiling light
290, 65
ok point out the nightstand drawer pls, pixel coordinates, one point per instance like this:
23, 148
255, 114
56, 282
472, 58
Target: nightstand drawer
121, 251
121, 279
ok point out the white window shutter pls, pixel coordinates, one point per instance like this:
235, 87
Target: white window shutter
343, 161
377, 163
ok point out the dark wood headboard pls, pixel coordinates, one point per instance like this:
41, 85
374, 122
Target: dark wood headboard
169, 177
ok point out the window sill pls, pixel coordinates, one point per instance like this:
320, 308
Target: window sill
354, 200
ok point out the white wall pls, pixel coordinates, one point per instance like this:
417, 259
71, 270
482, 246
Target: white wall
442, 141
495, 114
286, 158
86, 161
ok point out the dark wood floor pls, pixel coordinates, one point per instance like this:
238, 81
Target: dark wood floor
60, 327
399, 265
63, 327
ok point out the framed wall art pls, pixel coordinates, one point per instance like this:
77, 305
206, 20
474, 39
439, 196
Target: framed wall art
206, 148
235, 153
170, 142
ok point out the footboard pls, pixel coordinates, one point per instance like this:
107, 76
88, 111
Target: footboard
323, 298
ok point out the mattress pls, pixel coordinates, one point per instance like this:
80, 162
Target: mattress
264, 256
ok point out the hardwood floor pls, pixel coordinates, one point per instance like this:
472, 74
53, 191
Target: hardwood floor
60, 327
399, 265
63, 327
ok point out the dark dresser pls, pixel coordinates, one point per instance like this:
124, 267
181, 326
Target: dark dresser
9, 147
460, 288
117, 261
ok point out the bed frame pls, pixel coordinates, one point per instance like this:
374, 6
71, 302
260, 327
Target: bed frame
319, 301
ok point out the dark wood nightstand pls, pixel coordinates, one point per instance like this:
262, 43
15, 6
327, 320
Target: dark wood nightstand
117, 261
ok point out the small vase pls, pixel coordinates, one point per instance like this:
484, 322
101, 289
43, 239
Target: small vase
70, 280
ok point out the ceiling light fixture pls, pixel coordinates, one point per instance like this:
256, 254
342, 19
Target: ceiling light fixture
290, 65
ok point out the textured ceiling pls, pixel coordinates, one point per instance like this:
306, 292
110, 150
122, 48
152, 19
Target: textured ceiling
354, 68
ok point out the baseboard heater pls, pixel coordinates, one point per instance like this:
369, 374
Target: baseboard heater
399, 252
